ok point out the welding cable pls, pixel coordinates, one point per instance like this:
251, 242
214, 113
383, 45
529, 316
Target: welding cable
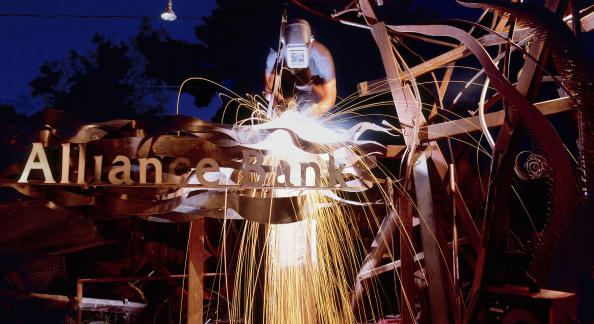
278, 63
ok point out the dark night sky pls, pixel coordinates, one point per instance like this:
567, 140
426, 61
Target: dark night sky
27, 42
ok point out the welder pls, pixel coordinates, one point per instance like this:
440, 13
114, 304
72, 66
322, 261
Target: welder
302, 76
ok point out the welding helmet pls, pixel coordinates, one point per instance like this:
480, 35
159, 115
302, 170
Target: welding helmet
297, 38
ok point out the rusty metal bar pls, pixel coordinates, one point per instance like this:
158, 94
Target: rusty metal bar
455, 264
195, 271
405, 103
494, 119
407, 265
387, 267
79, 299
70, 302
430, 240
367, 88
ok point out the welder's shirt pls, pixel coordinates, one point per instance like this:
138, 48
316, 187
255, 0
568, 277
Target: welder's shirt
319, 71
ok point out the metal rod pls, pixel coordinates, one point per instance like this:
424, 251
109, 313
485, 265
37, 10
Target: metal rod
354, 24
455, 265
408, 35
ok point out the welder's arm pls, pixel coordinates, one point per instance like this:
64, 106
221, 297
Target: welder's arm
327, 94
269, 85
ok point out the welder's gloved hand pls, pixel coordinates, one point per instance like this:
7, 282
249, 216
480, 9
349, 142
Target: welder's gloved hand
267, 96
278, 98
291, 104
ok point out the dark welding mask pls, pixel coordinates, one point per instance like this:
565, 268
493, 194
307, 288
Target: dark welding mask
297, 38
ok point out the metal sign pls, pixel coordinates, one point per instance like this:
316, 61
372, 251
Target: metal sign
121, 170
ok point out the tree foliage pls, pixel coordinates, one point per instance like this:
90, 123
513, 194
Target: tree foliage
120, 79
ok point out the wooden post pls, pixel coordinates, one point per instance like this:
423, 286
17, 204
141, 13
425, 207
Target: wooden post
455, 268
79, 298
407, 265
195, 272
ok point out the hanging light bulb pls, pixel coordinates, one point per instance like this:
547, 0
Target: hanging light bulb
168, 14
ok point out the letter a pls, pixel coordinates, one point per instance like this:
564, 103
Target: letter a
124, 169
37, 153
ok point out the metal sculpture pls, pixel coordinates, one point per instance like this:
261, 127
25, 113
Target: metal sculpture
448, 254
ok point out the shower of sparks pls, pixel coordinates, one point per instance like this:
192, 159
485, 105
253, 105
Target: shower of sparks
305, 272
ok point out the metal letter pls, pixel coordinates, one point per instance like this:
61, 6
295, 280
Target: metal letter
98, 167
124, 169
82, 155
37, 153
207, 165
65, 162
143, 163
335, 174
316, 170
